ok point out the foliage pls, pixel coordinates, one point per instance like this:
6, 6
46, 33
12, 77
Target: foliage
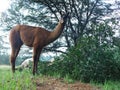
4, 59
110, 85
94, 58
83, 13
46, 13
20, 81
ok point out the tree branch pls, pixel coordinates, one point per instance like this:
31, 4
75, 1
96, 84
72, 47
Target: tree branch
54, 50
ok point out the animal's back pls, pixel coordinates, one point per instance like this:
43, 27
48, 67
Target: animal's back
30, 35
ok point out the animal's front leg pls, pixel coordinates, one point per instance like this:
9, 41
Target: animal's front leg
36, 56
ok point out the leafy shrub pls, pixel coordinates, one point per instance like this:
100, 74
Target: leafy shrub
94, 58
86, 63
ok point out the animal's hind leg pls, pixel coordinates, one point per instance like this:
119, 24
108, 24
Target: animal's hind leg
13, 56
16, 43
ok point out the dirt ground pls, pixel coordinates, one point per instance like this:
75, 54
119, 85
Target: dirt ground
49, 83
57, 84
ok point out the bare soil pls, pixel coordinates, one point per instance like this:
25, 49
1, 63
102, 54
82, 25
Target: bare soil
49, 83
58, 84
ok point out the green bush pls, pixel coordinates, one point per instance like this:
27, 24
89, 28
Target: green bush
86, 62
94, 58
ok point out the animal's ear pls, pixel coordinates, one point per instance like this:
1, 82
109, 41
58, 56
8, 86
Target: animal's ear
67, 14
64, 14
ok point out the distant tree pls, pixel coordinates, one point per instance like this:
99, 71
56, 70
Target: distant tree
46, 13
82, 14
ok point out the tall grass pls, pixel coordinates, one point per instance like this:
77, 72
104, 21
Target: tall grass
111, 85
23, 81
18, 81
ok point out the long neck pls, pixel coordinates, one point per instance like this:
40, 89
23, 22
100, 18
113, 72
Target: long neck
56, 32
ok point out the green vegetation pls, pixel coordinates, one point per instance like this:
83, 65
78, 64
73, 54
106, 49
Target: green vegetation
95, 58
19, 81
93, 49
111, 85
25, 81
108, 85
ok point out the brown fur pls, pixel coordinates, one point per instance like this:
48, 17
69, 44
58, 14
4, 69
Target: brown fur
35, 37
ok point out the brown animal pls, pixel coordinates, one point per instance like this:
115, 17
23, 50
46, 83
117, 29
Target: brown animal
35, 37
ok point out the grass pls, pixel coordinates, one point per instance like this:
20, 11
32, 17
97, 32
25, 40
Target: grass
18, 81
111, 85
68, 79
24, 81
108, 85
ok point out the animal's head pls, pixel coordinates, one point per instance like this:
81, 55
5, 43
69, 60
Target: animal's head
64, 16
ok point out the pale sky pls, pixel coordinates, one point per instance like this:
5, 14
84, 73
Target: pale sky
110, 1
4, 4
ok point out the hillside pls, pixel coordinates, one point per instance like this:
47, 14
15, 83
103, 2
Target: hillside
48, 83
25, 80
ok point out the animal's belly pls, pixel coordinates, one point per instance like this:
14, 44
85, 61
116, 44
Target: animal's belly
27, 38
28, 44
28, 41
